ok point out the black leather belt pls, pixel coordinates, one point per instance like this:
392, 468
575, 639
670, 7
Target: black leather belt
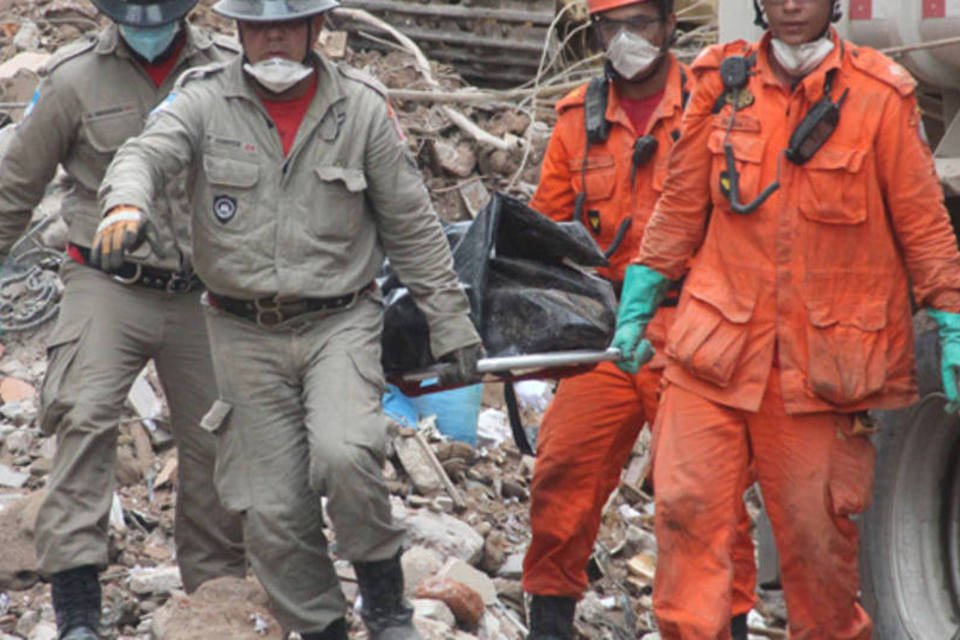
144, 276
268, 312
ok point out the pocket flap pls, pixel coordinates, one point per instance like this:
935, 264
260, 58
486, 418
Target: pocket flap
831, 158
65, 333
746, 148
229, 172
352, 178
594, 161
109, 128
213, 419
735, 303
868, 314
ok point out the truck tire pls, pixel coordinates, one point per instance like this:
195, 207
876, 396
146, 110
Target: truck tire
910, 536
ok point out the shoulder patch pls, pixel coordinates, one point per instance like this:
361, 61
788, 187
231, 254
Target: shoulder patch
356, 75
573, 99
201, 72
885, 69
711, 57
68, 52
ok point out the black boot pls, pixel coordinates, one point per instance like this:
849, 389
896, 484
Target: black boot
551, 618
738, 627
76, 602
336, 630
385, 612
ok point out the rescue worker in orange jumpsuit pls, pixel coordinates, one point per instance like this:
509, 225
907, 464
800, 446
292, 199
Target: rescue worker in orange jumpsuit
608, 174
804, 186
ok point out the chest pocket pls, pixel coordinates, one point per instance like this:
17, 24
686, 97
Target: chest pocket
106, 129
231, 199
598, 180
748, 153
831, 188
337, 207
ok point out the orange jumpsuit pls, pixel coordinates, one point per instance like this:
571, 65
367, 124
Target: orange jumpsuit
792, 319
590, 428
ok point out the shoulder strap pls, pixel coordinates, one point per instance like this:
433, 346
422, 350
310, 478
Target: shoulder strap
595, 111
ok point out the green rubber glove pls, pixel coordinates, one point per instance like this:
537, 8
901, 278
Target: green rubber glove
643, 291
948, 325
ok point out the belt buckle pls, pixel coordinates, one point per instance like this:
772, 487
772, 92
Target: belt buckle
177, 283
134, 279
267, 315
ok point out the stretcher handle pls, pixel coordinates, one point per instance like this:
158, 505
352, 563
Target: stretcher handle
503, 364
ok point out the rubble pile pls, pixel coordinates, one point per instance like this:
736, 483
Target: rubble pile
465, 507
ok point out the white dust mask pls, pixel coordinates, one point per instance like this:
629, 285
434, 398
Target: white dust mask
799, 60
631, 54
278, 74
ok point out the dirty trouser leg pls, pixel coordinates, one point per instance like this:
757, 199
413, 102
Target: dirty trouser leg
701, 462
815, 474
586, 437
95, 352
264, 463
343, 387
209, 538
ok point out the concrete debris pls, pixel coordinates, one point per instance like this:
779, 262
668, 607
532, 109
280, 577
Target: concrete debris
448, 535
15, 390
643, 565
417, 464
18, 562
27, 37
44, 631
155, 580
512, 568
19, 441
433, 609
11, 478
221, 608
478, 581
419, 563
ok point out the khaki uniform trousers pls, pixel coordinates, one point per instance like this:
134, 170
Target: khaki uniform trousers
300, 417
105, 335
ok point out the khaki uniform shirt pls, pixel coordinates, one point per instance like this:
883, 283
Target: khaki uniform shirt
93, 97
315, 223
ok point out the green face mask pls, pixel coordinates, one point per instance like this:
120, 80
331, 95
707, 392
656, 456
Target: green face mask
149, 43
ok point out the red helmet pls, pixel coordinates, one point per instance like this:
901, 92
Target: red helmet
599, 6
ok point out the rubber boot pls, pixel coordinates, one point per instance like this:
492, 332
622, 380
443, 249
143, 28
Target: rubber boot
551, 618
738, 627
76, 603
385, 612
336, 630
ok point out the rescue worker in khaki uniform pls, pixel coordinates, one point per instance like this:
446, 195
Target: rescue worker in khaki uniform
803, 182
301, 183
94, 95
609, 178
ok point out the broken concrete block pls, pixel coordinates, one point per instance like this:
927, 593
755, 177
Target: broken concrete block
457, 160
419, 563
26, 61
19, 441
512, 567
643, 565
416, 463
155, 580
434, 610
334, 44
460, 571
143, 399
28, 36
11, 478
444, 533
474, 195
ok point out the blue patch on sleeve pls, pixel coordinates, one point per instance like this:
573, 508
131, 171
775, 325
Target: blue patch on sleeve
33, 103
164, 103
